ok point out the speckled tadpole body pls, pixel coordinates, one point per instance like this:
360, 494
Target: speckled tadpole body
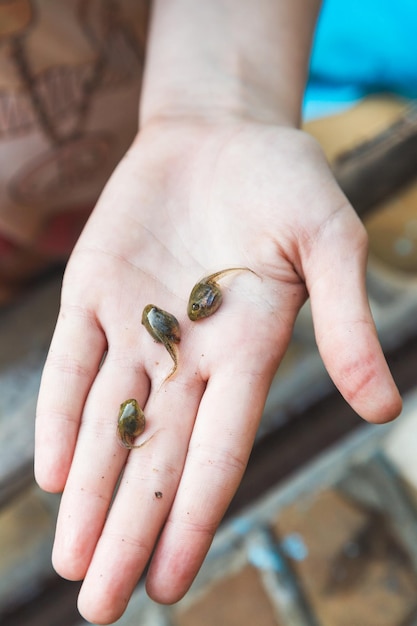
131, 423
206, 296
164, 328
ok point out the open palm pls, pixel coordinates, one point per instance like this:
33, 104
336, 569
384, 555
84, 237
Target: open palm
188, 200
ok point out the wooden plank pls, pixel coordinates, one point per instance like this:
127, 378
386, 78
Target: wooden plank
376, 169
25, 332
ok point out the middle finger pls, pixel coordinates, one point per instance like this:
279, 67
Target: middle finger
143, 500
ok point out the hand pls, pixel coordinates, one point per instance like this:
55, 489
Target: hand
188, 199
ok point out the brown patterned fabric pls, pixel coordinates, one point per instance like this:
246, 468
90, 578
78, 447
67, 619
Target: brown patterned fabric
70, 75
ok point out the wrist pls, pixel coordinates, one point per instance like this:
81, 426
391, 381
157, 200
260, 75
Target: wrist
225, 98
228, 59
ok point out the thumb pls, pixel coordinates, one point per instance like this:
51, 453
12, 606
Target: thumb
346, 336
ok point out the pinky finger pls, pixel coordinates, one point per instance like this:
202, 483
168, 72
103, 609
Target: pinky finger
77, 348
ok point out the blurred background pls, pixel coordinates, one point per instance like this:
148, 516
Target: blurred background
323, 529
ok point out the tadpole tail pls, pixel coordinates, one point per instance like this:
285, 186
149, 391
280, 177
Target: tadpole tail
221, 273
174, 356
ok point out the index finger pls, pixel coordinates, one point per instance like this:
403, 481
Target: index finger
222, 439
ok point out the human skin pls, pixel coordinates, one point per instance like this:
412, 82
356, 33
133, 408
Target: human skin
219, 176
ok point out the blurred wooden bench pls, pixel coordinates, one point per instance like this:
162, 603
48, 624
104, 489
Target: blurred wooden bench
25, 332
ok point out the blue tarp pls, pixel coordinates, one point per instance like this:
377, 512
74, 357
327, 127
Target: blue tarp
362, 47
